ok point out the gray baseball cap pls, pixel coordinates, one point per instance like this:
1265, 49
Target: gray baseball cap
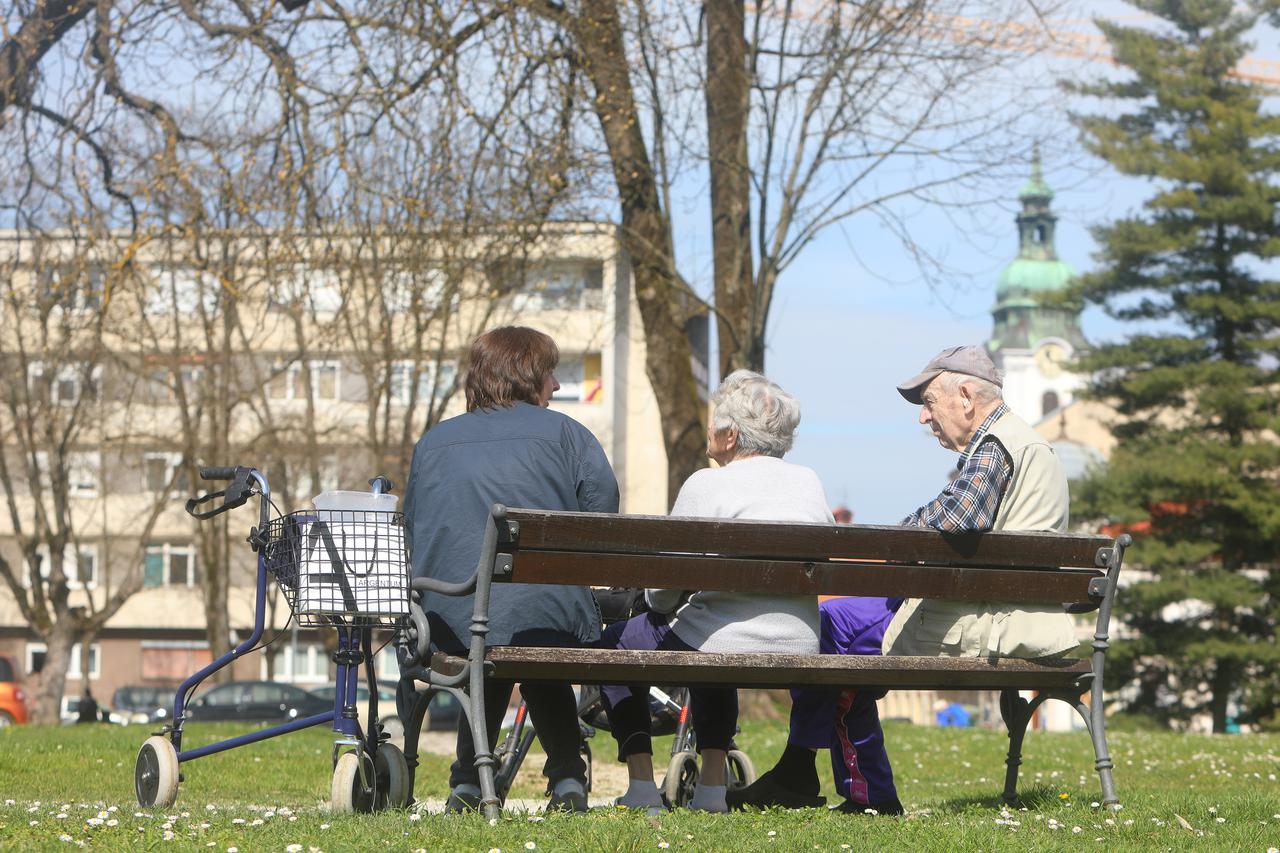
971, 360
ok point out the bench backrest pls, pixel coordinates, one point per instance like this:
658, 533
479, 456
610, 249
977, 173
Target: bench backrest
594, 549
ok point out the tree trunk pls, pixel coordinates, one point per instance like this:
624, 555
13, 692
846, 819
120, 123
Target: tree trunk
665, 305
728, 91
216, 572
53, 675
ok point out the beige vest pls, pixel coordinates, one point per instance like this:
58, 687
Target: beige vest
1037, 499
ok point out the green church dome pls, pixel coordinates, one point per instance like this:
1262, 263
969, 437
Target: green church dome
1032, 277
1022, 317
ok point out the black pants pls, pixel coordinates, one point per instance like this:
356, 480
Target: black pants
554, 712
714, 709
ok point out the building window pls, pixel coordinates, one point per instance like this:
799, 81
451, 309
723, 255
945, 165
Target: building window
79, 565
71, 288
579, 378
561, 284
326, 381
182, 291
427, 285
280, 385
86, 574
160, 468
165, 383
309, 666
168, 564
400, 381
1049, 402
84, 471
320, 291
65, 385
37, 652
173, 660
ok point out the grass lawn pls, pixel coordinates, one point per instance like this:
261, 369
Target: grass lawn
64, 787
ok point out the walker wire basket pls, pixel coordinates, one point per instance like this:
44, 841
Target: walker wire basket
341, 567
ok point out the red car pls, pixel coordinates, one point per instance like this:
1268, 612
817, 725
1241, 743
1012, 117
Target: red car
13, 699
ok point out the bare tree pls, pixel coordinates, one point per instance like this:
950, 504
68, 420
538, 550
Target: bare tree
65, 421
394, 158
303, 184
801, 116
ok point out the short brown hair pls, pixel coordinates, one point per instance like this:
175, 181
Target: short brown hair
508, 365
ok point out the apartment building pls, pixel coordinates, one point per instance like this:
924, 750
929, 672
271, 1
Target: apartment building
131, 361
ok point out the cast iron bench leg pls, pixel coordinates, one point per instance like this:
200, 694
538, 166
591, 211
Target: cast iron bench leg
1096, 723
412, 733
1016, 712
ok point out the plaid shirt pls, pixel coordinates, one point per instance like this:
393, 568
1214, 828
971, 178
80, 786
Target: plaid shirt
969, 503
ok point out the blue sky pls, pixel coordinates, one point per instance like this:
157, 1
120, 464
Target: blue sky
842, 336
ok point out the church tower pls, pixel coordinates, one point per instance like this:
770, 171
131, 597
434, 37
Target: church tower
1032, 339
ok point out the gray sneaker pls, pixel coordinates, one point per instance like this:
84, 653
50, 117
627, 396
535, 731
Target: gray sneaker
570, 797
461, 801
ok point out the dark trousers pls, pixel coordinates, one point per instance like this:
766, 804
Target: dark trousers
554, 712
714, 709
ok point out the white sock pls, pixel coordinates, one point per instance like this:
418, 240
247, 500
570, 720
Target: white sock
641, 794
709, 798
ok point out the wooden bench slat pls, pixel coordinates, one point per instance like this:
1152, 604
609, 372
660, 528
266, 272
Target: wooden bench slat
780, 577
601, 666
573, 531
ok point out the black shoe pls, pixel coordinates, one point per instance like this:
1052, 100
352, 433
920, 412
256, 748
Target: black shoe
892, 807
460, 803
766, 792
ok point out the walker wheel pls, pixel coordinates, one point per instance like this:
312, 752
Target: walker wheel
351, 790
681, 779
741, 772
393, 778
155, 773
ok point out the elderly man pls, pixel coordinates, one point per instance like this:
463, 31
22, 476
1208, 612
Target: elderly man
1008, 479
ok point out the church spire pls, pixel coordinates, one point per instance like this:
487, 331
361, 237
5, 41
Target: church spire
1035, 333
1036, 222
1022, 316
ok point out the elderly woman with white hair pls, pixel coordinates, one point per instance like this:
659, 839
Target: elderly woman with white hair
752, 426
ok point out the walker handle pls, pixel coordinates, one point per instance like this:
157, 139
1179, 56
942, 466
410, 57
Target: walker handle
243, 486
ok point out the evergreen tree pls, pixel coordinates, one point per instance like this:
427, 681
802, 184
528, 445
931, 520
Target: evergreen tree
1196, 471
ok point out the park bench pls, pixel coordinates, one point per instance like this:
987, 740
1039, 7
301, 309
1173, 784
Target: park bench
588, 549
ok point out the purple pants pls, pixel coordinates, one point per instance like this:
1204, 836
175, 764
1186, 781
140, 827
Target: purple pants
846, 721
714, 710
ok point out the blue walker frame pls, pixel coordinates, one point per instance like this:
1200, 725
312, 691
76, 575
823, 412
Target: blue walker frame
374, 777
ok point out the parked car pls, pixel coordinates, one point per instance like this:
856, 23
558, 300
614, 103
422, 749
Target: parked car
69, 711
442, 714
141, 703
387, 713
13, 699
256, 701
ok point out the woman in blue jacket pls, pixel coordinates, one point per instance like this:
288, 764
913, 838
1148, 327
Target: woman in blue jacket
508, 448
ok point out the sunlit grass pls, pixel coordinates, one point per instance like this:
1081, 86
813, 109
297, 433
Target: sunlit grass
72, 786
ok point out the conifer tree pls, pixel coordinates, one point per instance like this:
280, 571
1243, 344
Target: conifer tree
1196, 472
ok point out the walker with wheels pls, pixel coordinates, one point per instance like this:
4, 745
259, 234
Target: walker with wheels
340, 566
